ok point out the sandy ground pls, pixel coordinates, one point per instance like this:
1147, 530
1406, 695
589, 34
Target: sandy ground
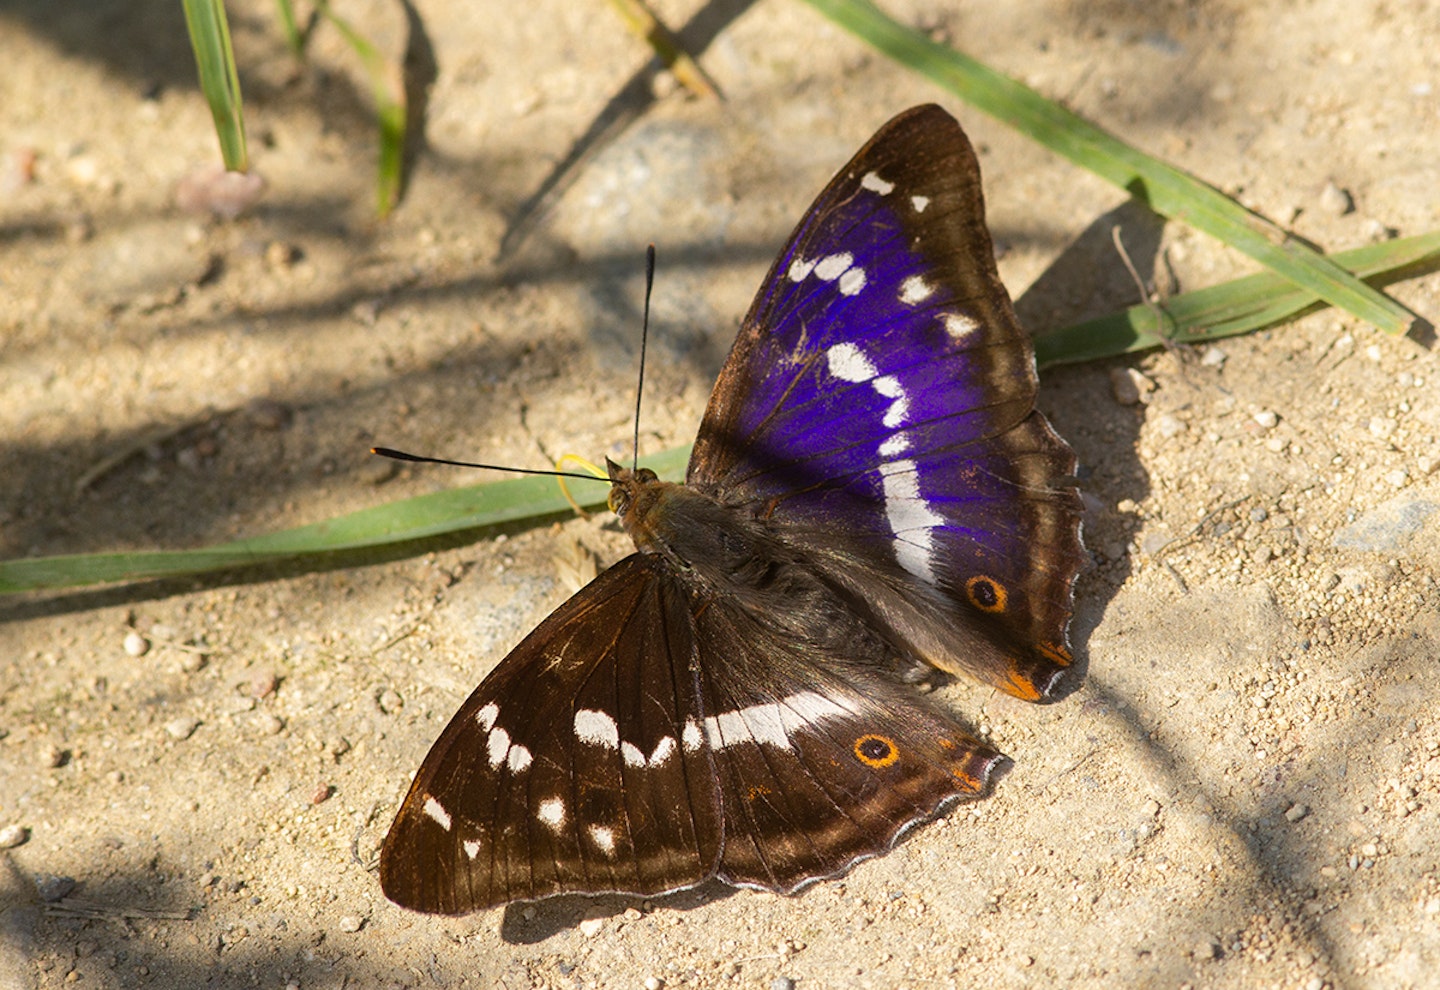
1244, 794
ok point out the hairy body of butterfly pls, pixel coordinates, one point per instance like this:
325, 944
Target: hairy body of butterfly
872, 496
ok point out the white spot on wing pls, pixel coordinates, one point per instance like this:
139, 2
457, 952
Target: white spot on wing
497, 744
889, 386
910, 518
437, 812
810, 708
486, 716
603, 838
916, 559
851, 282
896, 443
766, 724
551, 812
691, 738
895, 415
800, 270
771, 724
664, 749
596, 728
919, 202
960, 326
874, 183
519, 759
849, 363
832, 266
631, 754
915, 290
472, 848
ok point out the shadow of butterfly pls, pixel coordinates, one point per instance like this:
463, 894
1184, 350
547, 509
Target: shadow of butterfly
872, 497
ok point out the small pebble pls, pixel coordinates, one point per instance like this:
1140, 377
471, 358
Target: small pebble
1129, 385
653, 983
351, 923
1267, 419
13, 835
1213, 357
278, 254
83, 170
263, 683
17, 169
590, 927
1397, 478
52, 889
1206, 948
782, 983
1296, 812
54, 756
1315, 983
321, 794
182, 728
389, 701
632, 914
1170, 426
1336, 201
135, 644
268, 725
1259, 514
212, 190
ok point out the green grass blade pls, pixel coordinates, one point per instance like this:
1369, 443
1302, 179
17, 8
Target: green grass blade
290, 27
1227, 310
1163, 188
387, 85
219, 77
439, 514
642, 22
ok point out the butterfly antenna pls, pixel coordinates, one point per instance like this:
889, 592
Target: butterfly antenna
400, 455
644, 337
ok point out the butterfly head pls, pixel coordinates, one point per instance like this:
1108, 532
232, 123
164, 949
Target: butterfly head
628, 490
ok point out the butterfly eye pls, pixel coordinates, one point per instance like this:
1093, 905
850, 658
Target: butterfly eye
618, 501
645, 476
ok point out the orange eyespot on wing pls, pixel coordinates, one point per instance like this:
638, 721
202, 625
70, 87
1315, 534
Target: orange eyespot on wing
986, 594
876, 751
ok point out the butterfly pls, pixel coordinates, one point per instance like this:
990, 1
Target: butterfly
872, 497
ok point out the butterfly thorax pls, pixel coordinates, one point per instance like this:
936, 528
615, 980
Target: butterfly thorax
713, 547
696, 534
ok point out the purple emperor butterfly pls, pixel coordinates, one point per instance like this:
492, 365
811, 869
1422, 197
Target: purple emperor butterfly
872, 496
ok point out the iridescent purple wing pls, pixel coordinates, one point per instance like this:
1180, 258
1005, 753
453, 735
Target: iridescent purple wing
879, 403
